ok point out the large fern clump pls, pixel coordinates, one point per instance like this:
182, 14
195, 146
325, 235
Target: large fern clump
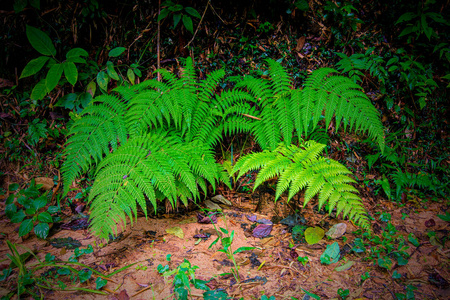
150, 142
155, 140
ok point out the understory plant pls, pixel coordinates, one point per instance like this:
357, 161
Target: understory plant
155, 140
49, 274
226, 239
27, 207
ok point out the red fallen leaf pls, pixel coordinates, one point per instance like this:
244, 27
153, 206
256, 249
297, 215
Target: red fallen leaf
430, 223
293, 253
123, 295
262, 230
207, 219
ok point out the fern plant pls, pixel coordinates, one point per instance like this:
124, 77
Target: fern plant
285, 115
302, 167
150, 142
155, 140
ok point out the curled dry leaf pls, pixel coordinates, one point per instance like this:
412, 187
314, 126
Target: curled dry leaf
430, 223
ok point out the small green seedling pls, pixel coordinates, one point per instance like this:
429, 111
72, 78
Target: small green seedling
303, 259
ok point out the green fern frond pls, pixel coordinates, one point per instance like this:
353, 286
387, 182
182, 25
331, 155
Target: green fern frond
341, 97
155, 166
100, 128
303, 168
259, 88
281, 81
207, 87
325, 95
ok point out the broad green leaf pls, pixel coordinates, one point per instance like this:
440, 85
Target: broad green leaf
137, 72
41, 230
116, 51
25, 227
84, 275
313, 235
84, 99
19, 5
13, 187
76, 59
36, 3
331, 254
187, 21
385, 262
163, 14
18, 217
176, 19
40, 202
10, 210
413, 240
176, 7
34, 66
193, 12
91, 87
176, 231
71, 72
45, 217
53, 209
131, 76
40, 41
76, 52
214, 294
302, 5
111, 71
39, 91
100, 282
102, 80
445, 217
53, 76
30, 211
406, 17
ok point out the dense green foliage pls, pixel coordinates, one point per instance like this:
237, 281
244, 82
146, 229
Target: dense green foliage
154, 140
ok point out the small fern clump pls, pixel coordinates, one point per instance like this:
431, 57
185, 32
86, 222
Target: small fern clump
155, 140
302, 167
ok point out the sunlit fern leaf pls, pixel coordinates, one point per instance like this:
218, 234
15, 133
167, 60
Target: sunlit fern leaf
207, 87
341, 97
281, 81
259, 88
303, 168
101, 127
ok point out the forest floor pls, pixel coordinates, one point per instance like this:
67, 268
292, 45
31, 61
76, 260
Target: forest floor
271, 268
